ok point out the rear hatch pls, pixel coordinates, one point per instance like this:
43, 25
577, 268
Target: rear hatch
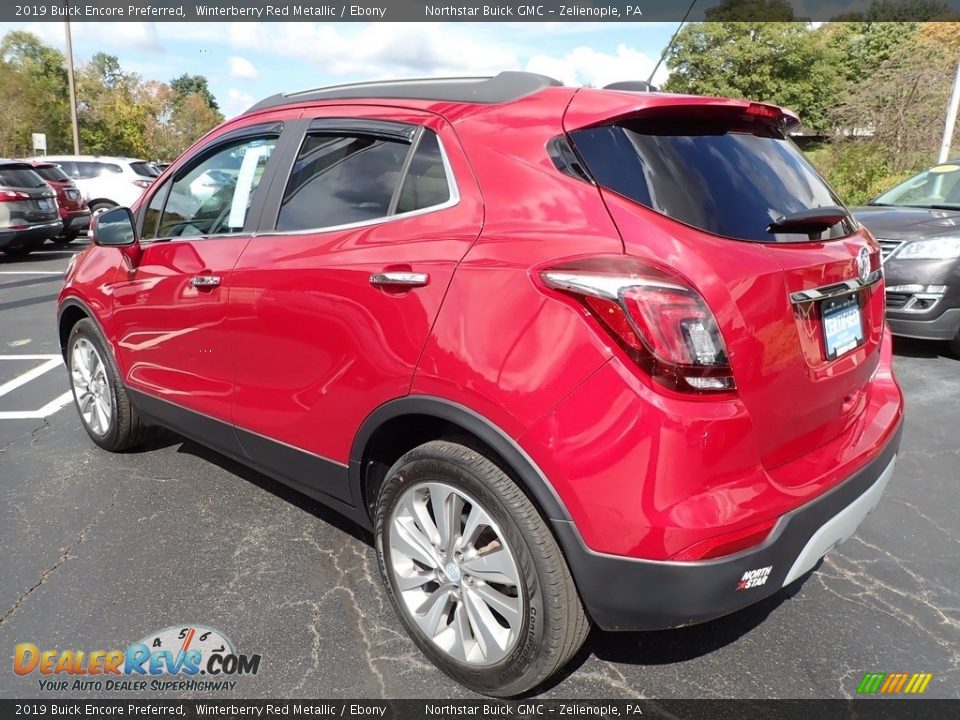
68, 195
25, 199
712, 189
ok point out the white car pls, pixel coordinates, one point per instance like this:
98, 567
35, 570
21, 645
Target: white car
105, 181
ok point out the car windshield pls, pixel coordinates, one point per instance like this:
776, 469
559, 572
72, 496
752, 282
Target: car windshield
936, 187
145, 169
52, 172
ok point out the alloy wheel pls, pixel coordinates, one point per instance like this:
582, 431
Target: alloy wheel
88, 373
455, 574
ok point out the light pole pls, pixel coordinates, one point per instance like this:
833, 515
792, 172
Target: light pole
951, 119
73, 91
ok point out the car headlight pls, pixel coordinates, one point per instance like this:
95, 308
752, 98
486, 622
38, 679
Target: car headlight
944, 248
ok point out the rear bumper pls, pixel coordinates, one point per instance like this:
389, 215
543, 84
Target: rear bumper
76, 221
31, 234
944, 327
631, 594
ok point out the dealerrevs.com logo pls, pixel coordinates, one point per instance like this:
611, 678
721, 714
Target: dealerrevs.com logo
183, 653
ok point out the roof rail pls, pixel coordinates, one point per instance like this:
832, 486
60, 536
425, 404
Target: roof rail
508, 85
631, 86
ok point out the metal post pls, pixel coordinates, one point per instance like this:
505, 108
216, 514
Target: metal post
951, 119
73, 92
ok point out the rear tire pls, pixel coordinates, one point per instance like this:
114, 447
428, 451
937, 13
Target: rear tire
101, 207
63, 240
105, 410
498, 555
19, 251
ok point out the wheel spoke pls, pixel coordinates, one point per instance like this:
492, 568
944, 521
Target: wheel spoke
408, 540
415, 579
431, 613
447, 506
488, 632
508, 607
462, 635
495, 566
475, 520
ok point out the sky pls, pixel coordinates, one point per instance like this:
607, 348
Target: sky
245, 62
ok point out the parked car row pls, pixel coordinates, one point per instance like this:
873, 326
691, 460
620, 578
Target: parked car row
54, 197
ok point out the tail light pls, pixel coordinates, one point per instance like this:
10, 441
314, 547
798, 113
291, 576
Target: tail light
13, 196
660, 322
142, 183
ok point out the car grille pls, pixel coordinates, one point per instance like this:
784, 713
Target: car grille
897, 300
887, 247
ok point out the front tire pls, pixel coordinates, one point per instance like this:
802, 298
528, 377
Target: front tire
105, 410
955, 345
474, 572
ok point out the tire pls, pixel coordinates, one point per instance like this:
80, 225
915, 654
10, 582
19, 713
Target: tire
99, 207
19, 251
101, 400
955, 345
63, 240
540, 623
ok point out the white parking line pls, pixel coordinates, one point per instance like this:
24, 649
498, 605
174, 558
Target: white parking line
49, 363
49, 409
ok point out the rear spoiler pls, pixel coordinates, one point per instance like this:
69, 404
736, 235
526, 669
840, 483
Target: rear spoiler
600, 107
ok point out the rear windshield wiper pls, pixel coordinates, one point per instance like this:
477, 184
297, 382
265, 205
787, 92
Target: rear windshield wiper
810, 222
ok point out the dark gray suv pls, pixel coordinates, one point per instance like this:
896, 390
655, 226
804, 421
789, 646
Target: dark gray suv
918, 226
28, 209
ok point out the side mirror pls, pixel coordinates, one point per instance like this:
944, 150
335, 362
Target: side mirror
113, 228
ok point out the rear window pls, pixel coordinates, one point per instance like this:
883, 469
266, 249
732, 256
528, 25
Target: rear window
145, 169
52, 173
731, 182
19, 178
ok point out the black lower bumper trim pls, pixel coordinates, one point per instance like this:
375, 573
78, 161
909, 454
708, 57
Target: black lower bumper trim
628, 594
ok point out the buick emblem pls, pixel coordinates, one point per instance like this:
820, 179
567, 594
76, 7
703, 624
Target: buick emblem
863, 265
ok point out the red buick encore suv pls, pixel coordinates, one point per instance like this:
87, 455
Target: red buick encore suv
576, 357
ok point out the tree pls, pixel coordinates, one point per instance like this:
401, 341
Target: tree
33, 78
750, 11
898, 11
779, 62
195, 84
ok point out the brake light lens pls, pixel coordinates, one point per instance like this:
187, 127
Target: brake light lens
660, 322
13, 196
763, 111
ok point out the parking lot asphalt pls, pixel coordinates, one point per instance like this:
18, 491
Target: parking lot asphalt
98, 550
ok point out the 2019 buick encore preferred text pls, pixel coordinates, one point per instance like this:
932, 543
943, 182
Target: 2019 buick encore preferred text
576, 357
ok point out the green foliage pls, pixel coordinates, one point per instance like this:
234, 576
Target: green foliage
750, 10
195, 85
779, 62
898, 11
859, 171
118, 112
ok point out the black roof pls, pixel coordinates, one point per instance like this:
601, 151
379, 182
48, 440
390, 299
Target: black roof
506, 86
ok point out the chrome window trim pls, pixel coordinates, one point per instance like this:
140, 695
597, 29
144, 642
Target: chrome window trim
834, 290
453, 200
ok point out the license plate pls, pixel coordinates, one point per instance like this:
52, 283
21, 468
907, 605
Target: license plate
842, 325
45, 203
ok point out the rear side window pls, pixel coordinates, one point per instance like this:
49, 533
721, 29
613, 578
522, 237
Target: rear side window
52, 173
726, 181
426, 183
341, 179
86, 169
19, 178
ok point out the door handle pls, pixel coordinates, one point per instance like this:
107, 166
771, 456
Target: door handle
205, 281
399, 279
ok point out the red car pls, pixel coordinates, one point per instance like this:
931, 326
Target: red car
74, 212
574, 356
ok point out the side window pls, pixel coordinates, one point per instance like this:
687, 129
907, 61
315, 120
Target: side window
69, 167
426, 183
86, 170
340, 179
109, 169
213, 196
152, 214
